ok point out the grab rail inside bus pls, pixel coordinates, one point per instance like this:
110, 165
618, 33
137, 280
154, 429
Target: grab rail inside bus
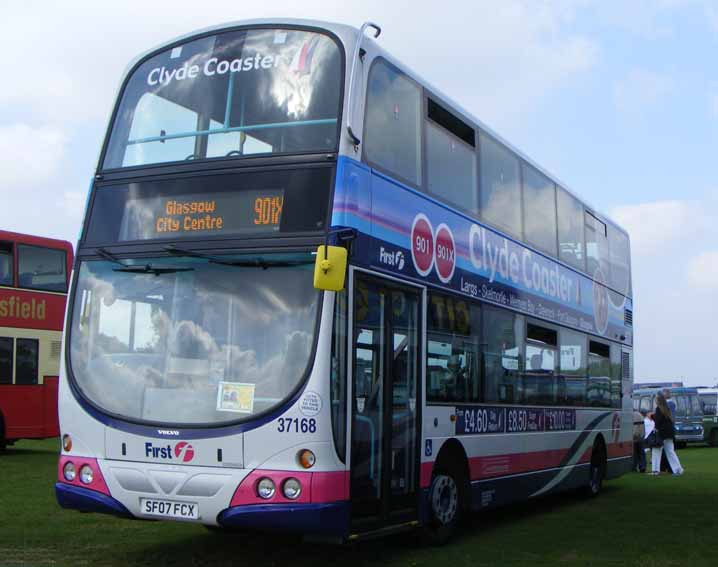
232, 129
350, 100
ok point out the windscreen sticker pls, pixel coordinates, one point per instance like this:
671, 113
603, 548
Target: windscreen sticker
236, 397
310, 404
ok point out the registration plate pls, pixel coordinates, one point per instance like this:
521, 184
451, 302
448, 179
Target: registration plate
169, 509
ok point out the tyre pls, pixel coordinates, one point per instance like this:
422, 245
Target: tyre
714, 437
681, 445
597, 470
445, 506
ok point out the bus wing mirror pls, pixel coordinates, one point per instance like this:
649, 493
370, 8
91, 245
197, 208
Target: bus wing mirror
330, 268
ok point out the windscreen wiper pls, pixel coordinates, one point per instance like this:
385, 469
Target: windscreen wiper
150, 269
138, 268
252, 263
109, 256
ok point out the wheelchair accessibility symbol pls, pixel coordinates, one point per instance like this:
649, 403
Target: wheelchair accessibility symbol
429, 448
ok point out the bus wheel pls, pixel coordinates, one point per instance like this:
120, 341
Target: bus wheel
597, 470
714, 438
444, 506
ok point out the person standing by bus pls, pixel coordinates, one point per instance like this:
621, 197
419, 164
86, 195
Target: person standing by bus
664, 424
671, 403
639, 432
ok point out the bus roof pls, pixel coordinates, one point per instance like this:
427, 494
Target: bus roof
35, 240
681, 390
348, 35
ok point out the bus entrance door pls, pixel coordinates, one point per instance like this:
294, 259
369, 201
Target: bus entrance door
386, 403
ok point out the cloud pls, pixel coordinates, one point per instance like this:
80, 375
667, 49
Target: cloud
713, 102
30, 155
675, 283
520, 49
641, 90
654, 226
711, 12
703, 270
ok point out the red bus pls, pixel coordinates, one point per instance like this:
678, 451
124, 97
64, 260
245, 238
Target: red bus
34, 275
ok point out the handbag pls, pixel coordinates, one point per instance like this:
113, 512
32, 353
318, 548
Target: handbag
654, 440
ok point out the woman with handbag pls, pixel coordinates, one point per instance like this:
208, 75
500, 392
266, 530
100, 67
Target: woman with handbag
666, 433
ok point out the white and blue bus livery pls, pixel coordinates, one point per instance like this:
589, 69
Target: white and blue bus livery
479, 351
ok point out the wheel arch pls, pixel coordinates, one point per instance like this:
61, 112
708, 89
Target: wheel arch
452, 457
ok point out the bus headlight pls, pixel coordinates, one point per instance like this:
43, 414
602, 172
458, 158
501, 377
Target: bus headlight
265, 488
86, 474
306, 458
292, 488
68, 471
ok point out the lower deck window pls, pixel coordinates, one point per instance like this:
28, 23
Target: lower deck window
26, 360
6, 360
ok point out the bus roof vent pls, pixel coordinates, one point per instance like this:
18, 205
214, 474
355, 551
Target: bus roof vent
55, 349
628, 317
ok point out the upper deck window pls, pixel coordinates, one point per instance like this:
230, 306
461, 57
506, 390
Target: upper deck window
6, 263
597, 248
500, 188
620, 255
239, 93
42, 268
570, 230
393, 122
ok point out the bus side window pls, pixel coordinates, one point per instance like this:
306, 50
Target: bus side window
42, 268
392, 127
453, 329
570, 230
500, 193
597, 248
6, 351
539, 195
6, 264
502, 342
26, 359
599, 375
573, 367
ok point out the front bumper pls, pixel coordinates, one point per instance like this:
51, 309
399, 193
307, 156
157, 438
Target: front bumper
86, 500
690, 436
329, 519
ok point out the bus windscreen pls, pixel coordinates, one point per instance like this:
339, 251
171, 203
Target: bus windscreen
234, 94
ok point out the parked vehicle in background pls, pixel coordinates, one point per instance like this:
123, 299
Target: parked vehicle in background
33, 289
709, 402
689, 413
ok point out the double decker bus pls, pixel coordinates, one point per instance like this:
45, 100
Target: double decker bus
313, 294
34, 275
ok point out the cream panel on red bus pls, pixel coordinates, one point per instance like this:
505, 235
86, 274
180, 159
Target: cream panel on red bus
50, 349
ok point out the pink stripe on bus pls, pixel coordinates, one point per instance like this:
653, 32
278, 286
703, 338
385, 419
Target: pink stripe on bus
317, 487
503, 465
98, 483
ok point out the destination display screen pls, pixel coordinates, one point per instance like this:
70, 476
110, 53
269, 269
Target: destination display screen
253, 204
203, 214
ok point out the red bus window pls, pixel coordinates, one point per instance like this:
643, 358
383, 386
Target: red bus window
41, 268
6, 266
26, 359
6, 360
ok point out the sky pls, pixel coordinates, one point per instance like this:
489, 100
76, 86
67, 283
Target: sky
618, 99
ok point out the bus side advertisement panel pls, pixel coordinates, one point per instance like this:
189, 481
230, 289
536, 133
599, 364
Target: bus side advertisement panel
31, 310
412, 236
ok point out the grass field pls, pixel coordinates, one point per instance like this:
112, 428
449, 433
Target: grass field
638, 520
